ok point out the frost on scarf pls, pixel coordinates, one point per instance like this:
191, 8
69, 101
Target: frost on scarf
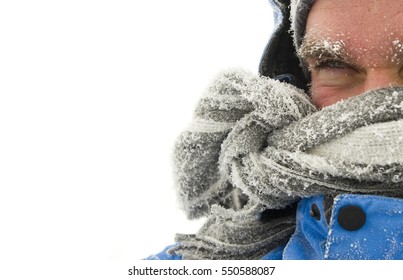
200, 172
259, 145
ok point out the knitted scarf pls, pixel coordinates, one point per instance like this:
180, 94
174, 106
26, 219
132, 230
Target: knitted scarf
256, 146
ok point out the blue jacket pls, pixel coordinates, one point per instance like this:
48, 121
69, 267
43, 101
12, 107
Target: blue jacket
362, 227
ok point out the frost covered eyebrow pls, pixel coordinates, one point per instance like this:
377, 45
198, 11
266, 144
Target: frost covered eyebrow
397, 52
316, 51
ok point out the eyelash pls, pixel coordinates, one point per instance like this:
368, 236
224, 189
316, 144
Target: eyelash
333, 65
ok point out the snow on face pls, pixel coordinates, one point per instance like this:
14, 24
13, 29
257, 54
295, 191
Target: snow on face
397, 52
320, 48
313, 50
352, 47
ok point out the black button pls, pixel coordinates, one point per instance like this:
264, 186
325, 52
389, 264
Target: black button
314, 212
351, 217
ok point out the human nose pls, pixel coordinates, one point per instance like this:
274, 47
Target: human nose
381, 78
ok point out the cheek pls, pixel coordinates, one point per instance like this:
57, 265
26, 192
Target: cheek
323, 96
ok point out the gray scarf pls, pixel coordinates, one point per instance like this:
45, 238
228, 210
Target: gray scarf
256, 146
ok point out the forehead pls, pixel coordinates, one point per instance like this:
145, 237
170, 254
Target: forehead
369, 28
357, 13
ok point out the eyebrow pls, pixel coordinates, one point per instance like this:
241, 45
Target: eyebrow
324, 49
397, 51
314, 51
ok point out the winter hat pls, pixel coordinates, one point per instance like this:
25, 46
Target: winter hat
280, 55
298, 17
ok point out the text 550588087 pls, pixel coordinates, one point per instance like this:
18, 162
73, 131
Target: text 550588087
242, 270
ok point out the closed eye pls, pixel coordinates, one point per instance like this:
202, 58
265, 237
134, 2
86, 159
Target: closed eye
334, 73
333, 65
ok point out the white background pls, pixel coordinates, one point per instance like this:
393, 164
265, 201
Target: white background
92, 97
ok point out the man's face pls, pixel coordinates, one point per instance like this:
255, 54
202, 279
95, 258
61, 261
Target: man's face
352, 47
